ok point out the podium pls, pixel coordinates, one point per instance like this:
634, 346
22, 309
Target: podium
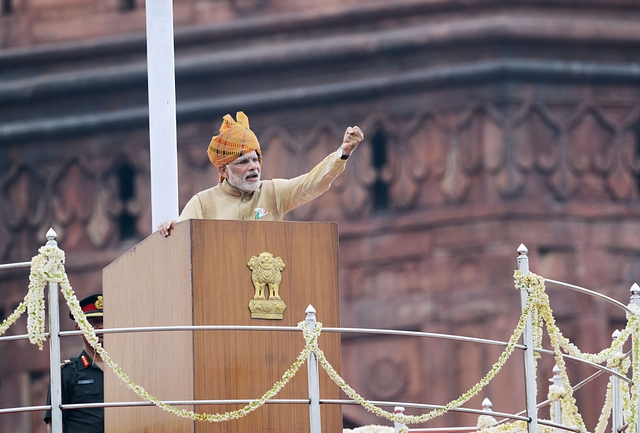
200, 276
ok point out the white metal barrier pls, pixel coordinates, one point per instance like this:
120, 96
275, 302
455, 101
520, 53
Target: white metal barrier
530, 415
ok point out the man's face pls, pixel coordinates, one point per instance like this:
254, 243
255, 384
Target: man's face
96, 322
243, 173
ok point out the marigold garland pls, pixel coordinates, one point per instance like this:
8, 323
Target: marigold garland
48, 266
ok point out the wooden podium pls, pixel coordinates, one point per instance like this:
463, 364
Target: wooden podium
199, 276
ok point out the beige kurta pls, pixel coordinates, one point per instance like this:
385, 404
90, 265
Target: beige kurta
277, 196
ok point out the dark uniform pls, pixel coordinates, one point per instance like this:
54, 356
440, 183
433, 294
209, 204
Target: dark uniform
82, 382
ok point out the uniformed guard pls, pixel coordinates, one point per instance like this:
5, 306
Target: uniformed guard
82, 378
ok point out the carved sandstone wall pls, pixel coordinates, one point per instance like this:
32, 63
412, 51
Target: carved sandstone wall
488, 124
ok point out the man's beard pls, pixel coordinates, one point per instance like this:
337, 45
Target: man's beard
242, 183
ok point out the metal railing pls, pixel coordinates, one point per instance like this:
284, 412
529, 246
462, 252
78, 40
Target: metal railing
530, 414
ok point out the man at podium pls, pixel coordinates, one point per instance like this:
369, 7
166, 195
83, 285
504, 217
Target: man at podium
241, 195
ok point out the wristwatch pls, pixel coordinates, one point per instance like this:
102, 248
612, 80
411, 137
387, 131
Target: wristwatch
342, 155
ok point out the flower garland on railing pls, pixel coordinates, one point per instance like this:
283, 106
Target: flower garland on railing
534, 285
48, 266
605, 414
415, 419
13, 317
486, 421
217, 417
140, 391
517, 427
621, 364
626, 398
632, 410
45, 267
370, 429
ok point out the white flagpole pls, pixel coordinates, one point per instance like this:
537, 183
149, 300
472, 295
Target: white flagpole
162, 111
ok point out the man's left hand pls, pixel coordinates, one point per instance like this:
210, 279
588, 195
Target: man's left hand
352, 137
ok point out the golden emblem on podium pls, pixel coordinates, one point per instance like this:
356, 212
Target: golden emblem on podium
266, 278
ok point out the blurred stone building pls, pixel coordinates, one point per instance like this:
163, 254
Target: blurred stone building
488, 123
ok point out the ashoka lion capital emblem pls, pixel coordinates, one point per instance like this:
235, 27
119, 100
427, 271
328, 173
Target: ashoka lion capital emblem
266, 276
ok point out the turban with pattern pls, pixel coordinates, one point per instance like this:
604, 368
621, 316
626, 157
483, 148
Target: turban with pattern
234, 140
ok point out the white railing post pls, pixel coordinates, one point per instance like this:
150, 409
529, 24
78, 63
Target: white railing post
397, 425
486, 420
556, 406
312, 372
616, 400
635, 300
527, 339
54, 348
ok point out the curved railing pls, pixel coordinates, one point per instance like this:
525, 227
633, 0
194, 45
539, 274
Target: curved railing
616, 372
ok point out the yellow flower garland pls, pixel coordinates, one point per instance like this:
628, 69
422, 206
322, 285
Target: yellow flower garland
48, 266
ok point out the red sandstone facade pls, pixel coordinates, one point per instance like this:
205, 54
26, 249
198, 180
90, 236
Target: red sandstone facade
488, 124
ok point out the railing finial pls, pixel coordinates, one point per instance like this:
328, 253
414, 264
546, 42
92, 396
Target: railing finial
522, 250
486, 421
311, 317
398, 426
523, 259
556, 379
635, 293
487, 405
51, 238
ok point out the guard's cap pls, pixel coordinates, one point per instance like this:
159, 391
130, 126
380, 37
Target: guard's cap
92, 306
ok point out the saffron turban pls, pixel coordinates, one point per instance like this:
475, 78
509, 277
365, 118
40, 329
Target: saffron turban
234, 140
